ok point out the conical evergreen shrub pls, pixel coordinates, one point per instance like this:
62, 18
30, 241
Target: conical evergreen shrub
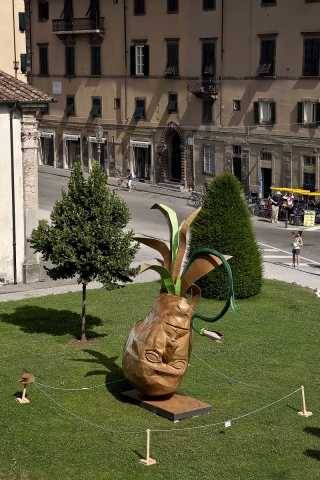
224, 224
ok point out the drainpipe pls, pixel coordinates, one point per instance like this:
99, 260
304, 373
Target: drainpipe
221, 59
125, 60
14, 42
13, 201
28, 41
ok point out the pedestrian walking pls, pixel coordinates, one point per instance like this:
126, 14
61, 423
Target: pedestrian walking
290, 202
297, 243
275, 205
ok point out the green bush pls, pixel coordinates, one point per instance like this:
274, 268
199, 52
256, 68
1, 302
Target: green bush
224, 224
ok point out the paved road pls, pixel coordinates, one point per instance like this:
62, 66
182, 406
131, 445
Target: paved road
274, 239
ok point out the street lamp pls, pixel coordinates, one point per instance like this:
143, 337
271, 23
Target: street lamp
98, 133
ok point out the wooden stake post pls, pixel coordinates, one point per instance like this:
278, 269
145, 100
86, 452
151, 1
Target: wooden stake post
304, 412
148, 461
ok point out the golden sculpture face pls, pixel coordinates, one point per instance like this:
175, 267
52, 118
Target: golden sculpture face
158, 348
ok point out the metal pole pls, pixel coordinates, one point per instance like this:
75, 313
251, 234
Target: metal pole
99, 153
286, 226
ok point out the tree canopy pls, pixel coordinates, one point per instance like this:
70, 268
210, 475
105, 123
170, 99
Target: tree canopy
86, 237
224, 224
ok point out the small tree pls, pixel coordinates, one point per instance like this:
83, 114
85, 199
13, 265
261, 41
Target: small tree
224, 224
86, 236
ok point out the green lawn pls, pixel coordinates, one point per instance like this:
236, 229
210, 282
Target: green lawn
270, 349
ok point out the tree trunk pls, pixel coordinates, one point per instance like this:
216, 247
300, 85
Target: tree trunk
83, 325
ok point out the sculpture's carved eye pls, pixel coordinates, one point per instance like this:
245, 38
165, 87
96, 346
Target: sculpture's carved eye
179, 364
153, 356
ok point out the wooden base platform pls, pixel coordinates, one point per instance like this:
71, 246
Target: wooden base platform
174, 407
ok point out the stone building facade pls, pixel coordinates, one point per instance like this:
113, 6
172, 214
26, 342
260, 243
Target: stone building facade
19, 139
13, 39
184, 90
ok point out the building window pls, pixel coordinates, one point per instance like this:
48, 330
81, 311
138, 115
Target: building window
267, 54
311, 57
95, 61
172, 67
236, 105
172, 103
117, 103
139, 112
96, 107
172, 6
208, 54
309, 181
139, 60
309, 161
312, 1
236, 150
69, 110
264, 113
268, 3
208, 4
22, 21
45, 110
43, 11
46, 149
207, 110
208, 159
308, 113
67, 12
72, 151
43, 60
139, 7
94, 9
69, 52
23, 62
265, 155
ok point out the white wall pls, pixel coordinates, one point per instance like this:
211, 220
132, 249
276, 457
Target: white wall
6, 238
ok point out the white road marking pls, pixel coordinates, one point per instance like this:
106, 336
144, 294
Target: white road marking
288, 253
276, 256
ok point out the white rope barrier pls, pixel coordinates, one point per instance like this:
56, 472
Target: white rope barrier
79, 389
112, 432
232, 379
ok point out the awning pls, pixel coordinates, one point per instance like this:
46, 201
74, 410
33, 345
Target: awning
46, 134
71, 137
140, 144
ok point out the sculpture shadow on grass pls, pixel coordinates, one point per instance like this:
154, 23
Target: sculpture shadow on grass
114, 378
33, 319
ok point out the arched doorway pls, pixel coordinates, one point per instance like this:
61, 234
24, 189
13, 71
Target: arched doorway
176, 158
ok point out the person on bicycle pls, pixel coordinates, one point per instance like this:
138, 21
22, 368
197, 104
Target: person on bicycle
129, 177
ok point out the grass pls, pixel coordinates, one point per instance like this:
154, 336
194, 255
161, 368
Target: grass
270, 349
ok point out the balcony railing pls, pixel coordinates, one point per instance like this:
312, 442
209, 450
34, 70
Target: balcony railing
206, 87
78, 25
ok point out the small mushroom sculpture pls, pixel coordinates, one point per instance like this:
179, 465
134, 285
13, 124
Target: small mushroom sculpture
25, 380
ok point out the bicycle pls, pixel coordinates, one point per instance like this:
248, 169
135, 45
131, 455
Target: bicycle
123, 185
196, 199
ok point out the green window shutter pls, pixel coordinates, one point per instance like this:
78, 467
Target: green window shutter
300, 106
256, 113
273, 112
22, 21
23, 62
69, 60
132, 60
146, 60
317, 119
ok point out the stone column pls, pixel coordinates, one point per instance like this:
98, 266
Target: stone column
287, 166
245, 180
29, 147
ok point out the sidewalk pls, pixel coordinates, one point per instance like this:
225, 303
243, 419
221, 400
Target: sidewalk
304, 276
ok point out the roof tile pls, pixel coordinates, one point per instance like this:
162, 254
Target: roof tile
12, 89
